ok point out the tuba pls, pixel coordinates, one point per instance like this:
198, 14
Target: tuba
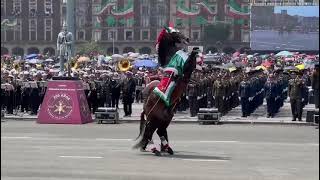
124, 65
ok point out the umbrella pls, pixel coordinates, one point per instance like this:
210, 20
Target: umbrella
236, 54
48, 60
290, 68
83, 59
285, 53
134, 55
145, 63
266, 64
300, 66
31, 56
34, 61
232, 69
117, 56
107, 58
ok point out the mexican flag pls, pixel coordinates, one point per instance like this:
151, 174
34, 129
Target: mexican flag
236, 11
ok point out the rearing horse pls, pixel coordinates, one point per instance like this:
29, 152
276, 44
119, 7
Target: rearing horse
158, 113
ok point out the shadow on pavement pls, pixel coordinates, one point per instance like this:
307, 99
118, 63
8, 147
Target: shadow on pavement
189, 155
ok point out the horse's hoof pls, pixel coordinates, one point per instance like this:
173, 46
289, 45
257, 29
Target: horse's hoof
156, 152
167, 149
170, 151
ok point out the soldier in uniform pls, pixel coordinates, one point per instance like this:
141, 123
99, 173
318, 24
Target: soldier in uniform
219, 93
26, 90
93, 96
295, 90
128, 90
105, 91
271, 93
115, 90
244, 94
192, 96
315, 85
139, 82
35, 94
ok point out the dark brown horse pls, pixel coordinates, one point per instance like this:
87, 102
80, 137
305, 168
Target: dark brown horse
156, 115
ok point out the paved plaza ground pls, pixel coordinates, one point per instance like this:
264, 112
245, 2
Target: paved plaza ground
31, 151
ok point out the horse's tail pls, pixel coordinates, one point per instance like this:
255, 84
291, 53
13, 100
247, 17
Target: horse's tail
142, 130
142, 124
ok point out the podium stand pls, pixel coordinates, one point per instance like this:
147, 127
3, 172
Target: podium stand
64, 103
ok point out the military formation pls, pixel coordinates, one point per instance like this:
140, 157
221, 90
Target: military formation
24, 92
210, 88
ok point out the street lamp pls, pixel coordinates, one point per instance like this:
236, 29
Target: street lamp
112, 37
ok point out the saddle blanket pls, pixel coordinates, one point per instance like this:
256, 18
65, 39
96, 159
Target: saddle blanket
167, 84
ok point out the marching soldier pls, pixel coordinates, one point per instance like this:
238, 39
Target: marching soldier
295, 90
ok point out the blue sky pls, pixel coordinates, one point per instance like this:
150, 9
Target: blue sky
306, 11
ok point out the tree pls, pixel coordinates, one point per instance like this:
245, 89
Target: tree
217, 32
90, 47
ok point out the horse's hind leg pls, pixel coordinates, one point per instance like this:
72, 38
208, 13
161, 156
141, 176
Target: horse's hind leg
150, 128
163, 134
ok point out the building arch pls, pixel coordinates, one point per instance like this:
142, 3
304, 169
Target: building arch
18, 51
145, 50
212, 49
128, 49
49, 50
110, 50
33, 50
229, 50
4, 51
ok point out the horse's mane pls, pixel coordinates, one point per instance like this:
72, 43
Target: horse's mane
166, 49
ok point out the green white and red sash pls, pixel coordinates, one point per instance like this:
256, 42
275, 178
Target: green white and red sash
174, 68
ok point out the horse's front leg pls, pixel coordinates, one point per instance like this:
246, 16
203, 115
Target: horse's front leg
163, 134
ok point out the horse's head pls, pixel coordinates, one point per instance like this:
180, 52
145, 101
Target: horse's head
169, 42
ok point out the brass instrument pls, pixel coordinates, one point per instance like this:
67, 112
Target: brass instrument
124, 65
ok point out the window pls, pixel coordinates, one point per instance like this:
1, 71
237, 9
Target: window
16, 7
48, 7
145, 35
17, 31
161, 21
32, 29
3, 7
81, 35
97, 35
3, 35
144, 10
32, 8
112, 34
145, 21
48, 29
161, 9
128, 35
196, 35
81, 21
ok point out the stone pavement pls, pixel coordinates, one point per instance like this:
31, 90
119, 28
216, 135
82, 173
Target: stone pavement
31, 151
234, 116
